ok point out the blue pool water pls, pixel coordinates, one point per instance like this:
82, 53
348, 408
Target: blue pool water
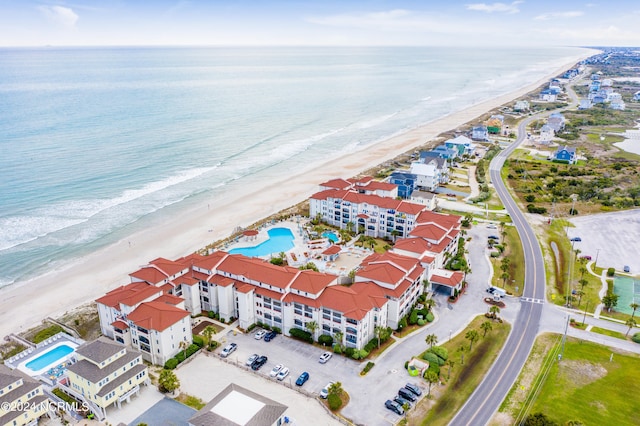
332, 236
280, 239
49, 358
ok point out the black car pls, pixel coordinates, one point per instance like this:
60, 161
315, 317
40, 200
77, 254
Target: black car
400, 400
576, 239
414, 389
270, 336
262, 360
407, 394
394, 406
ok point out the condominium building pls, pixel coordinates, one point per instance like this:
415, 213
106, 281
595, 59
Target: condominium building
22, 399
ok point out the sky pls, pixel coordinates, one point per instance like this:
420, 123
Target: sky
319, 23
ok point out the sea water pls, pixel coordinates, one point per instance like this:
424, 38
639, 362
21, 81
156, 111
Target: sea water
97, 143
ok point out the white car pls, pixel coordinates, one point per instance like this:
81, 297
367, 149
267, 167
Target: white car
284, 372
252, 358
260, 334
326, 356
324, 393
276, 370
227, 350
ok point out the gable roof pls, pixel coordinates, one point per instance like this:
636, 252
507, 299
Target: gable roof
337, 184
129, 295
355, 301
311, 281
156, 315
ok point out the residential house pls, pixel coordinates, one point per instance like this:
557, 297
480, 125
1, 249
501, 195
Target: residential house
565, 154
556, 121
546, 134
427, 176
442, 167
405, 182
446, 152
382, 217
239, 406
22, 399
594, 86
105, 374
462, 144
480, 133
585, 104
521, 106
636, 96
427, 199
617, 104
548, 96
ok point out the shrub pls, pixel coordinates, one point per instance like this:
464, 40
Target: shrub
413, 317
368, 367
251, 327
198, 341
421, 322
300, 334
433, 367
349, 352
403, 323
636, 338
361, 354
211, 314
276, 329
431, 358
171, 363
337, 349
406, 365
325, 340
334, 402
429, 317
530, 198
441, 351
611, 272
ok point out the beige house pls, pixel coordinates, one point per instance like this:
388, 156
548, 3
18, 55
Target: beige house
22, 399
106, 373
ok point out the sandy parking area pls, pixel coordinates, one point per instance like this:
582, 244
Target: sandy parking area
206, 376
614, 238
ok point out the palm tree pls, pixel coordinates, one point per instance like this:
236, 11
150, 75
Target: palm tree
429, 303
208, 333
583, 269
634, 306
630, 323
450, 363
431, 339
184, 345
461, 350
312, 326
431, 377
335, 389
350, 226
168, 381
505, 276
486, 327
472, 336
339, 335
580, 293
395, 234
495, 311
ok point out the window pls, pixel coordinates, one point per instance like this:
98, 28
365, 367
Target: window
297, 322
352, 321
267, 316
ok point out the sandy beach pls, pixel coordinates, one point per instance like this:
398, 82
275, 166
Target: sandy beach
25, 304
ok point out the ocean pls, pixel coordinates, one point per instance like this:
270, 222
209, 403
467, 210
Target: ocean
99, 143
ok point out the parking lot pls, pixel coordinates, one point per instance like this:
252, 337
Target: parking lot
612, 238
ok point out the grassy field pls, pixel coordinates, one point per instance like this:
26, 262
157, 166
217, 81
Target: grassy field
514, 252
586, 386
606, 332
446, 400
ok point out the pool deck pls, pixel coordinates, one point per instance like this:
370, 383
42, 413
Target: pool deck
306, 250
20, 360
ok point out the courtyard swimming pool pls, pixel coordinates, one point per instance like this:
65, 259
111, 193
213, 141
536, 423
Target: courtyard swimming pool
49, 358
280, 239
332, 236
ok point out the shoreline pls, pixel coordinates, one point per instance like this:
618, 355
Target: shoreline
26, 303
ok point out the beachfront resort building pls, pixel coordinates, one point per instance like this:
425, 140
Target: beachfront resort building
364, 185
105, 374
374, 216
22, 399
146, 318
236, 405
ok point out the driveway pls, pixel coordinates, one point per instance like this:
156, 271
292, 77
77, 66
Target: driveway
167, 412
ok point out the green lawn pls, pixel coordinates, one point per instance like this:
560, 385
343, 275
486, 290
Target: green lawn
585, 386
606, 332
464, 378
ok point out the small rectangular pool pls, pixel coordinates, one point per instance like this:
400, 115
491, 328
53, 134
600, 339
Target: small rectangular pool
48, 358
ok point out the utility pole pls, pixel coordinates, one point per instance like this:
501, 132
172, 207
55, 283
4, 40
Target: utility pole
564, 338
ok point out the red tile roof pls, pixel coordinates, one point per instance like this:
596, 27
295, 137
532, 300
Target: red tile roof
170, 299
268, 293
220, 280
413, 245
334, 249
156, 315
429, 231
129, 295
120, 325
361, 181
149, 274
258, 270
376, 184
448, 278
311, 281
168, 266
372, 199
244, 288
189, 279
355, 301
448, 221
291, 298
210, 262
336, 184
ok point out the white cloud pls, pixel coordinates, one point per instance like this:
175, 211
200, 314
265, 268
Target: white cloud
60, 15
496, 7
380, 20
559, 15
